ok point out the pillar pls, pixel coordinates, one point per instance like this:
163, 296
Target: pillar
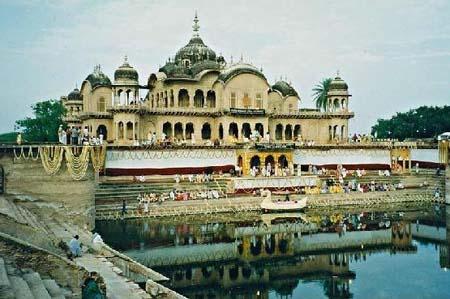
134, 124
175, 98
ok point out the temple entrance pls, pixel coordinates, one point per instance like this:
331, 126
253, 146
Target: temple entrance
255, 161
101, 130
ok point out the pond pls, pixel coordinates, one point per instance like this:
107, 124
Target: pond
389, 252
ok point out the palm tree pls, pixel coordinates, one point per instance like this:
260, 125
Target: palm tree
320, 93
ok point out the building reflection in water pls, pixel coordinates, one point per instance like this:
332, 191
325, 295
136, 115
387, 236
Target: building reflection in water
250, 259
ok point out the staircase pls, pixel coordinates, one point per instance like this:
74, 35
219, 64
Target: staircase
18, 283
113, 192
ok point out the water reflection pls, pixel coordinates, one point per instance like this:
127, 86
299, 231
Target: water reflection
278, 256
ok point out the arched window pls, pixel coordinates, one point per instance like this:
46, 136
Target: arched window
220, 131
206, 131
183, 98
199, 99
179, 131
246, 130
211, 99
189, 130
101, 105
279, 132
288, 132
233, 130
167, 129
297, 132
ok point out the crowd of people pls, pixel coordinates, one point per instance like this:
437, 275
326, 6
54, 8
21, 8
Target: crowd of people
78, 136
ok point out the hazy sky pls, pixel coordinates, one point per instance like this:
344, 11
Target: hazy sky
394, 54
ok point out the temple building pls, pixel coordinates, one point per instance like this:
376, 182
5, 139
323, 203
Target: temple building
198, 97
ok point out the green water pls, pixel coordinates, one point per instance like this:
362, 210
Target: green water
396, 252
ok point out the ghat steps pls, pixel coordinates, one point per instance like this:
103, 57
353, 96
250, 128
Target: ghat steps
18, 283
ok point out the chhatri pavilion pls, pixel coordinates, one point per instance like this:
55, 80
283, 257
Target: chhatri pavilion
198, 97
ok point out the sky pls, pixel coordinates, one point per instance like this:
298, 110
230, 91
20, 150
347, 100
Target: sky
394, 55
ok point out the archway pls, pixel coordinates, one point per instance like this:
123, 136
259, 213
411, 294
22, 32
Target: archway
206, 131
130, 130
279, 132
220, 131
246, 130
199, 99
233, 130
255, 161
189, 130
297, 131
260, 128
211, 99
269, 159
183, 98
101, 130
288, 132
336, 105
120, 129
282, 160
167, 129
178, 128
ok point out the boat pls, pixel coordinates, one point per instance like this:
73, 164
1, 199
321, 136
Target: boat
267, 205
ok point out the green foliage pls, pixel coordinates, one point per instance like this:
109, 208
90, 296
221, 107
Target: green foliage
423, 122
8, 137
48, 116
320, 93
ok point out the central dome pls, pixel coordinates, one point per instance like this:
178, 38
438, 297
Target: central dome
193, 52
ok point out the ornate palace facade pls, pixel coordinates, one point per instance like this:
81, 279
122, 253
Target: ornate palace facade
199, 97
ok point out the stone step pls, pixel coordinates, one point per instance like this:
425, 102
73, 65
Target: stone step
6, 290
21, 288
53, 289
36, 285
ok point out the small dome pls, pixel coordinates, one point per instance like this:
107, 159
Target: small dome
74, 95
285, 89
237, 69
338, 84
126, 73
98, 78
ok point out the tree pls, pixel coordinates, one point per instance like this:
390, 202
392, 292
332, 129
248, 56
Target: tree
320, 93
48, 116
423, 122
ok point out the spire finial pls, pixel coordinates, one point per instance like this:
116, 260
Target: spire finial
337, 73
126, 59
196, 26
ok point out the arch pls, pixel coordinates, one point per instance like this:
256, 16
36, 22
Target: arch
122, 97
246, 130
270, 244
233, 130
199, 99
211, 99
178, 128
220, 131
255, 247
246, 272
101, 105
183, 98
234, 272
259, 127
342, 132
166, 100
336, 104
283, 246
189, 130
279, 132
269, 159
101, 129
330, 133
158, 103
167, 129
120, 126
206, 131
282, 160
297, 131
255, 161
172, 99
288, 132
130, 130
335, 131
343, 106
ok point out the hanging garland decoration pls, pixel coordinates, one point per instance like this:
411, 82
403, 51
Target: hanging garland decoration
51, 158
98, 155
77, 166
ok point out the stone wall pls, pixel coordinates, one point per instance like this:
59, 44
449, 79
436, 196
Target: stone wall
26, 179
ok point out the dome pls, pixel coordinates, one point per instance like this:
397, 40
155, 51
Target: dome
285, 89
195, 50
98, 78
126, 73
338, 84
74, 95
237, 69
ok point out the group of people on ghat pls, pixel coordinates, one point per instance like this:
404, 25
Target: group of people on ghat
78, 136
